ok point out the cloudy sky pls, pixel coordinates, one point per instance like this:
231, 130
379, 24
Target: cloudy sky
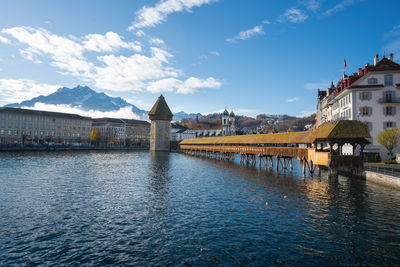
250, 55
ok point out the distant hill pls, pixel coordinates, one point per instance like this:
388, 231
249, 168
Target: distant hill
183, 115
83, 97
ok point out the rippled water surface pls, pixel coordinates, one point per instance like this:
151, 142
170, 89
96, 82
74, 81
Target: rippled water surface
143, 209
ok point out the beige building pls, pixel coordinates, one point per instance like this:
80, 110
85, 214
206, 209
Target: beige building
25, 126
123, 132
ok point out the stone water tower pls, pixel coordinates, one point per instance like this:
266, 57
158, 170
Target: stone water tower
160, 116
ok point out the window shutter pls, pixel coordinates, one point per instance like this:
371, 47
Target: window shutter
394, 124
369, 95
394, 110
384, 111
360, 111
360, 95
369, 126
393, 94
384, 126
369, 111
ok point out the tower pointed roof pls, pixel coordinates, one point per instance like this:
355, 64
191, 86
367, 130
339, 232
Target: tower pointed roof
160, 110
225, 113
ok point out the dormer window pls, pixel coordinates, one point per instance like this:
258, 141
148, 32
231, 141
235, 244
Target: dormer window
388, 80
372, 81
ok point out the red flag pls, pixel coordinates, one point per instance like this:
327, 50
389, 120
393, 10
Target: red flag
345, 64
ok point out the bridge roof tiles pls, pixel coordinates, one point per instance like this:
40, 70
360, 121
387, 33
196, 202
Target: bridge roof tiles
327, 131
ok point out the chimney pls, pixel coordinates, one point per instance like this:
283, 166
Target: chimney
390, 57
360, 71
376, 59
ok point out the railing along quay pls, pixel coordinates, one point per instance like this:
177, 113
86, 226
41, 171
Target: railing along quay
395, 172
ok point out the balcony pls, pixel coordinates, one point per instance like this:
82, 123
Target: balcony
389, 100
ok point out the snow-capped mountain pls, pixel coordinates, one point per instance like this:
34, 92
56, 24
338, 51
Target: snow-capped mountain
183, 115
83, 97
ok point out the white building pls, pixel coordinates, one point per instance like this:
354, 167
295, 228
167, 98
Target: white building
228, 123
371, 95
225, 127
179, 132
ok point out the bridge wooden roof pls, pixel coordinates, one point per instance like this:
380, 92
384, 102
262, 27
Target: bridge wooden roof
346, 129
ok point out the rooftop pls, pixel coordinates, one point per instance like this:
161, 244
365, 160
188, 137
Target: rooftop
344, 129
41, 113
160, 110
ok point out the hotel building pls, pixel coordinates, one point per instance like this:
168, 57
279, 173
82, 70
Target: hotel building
371, 95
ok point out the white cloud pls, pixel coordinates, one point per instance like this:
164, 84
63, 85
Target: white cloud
293, 99
339, 7
306, 113
124, 113
156, 41
193, 84
215, 53
294, 15
17, 90
140, 33
243, 35
318, 85
109, 42
312, 5
189, 86
136, 72
4, 40
151, 16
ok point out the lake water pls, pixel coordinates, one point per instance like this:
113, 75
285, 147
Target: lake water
144, 209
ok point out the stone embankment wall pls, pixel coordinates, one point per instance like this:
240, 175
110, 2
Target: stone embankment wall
382, 179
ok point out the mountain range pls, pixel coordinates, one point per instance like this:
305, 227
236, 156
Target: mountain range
85, 98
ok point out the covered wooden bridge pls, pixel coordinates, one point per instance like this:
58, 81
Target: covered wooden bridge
321, 147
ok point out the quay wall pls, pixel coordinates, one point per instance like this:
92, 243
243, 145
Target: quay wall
382, 179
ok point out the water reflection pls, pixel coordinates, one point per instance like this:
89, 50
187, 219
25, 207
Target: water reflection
145, 209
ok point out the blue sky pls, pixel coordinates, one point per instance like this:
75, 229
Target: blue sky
250, 55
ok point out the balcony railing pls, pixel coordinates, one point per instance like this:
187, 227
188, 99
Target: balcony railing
389, 100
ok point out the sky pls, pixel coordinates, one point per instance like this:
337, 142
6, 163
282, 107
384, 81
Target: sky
252, 56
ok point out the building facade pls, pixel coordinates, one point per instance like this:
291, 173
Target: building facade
371, 95
122, 132
179, 133
22, 126
226, 127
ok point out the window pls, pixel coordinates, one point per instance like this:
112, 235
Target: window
389, 124
369, 126
387, 96
372, 81
388, 80
364, 95
391, 111
366, 111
